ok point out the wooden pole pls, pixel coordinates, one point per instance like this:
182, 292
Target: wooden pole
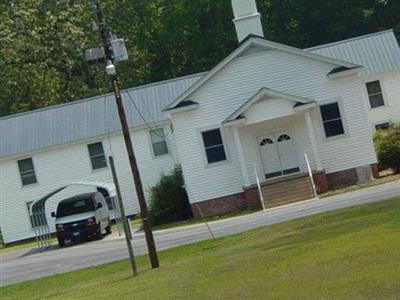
123, 217
151, 246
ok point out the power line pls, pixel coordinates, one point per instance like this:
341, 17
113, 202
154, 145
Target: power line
149, 126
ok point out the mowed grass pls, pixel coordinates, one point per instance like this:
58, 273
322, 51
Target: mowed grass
351, 253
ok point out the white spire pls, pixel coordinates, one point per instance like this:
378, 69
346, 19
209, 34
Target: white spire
247, 19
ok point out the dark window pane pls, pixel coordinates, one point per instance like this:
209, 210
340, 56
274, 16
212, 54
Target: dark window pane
28, 178
374, 87
376, 100
215, 154
290, 171
98, 162
96, 149
160, 148
25, 165
97, 156
382, 126
333, 128
273, 174
212, 138
330, 111
27, 171
158, 142
157, 135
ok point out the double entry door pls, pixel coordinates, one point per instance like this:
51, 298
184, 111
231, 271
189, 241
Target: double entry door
278, 153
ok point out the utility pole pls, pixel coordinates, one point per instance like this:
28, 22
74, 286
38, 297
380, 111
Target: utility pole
110, 69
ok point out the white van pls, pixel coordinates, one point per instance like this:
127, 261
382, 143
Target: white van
81, 217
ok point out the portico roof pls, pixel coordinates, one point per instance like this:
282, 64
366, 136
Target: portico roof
266, 92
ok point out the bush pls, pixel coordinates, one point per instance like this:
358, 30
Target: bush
387, 145
169, 201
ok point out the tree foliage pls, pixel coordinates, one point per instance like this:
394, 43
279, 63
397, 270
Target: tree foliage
169, 201
387, 145
42, 42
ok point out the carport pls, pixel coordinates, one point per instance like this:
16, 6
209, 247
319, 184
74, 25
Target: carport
37, 210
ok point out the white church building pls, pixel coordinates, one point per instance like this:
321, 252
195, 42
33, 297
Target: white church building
255, 114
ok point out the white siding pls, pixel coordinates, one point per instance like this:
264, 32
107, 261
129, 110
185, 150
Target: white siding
268, 109
240, 80
390, 84
59, 166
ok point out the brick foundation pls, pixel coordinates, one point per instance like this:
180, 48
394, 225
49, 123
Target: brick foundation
320, 181
342, 178
250, 199
219, 206
375, 171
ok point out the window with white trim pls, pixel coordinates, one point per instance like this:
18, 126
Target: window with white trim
213, 145
375, 94
97, 157
27, 171
158, 142
332, 119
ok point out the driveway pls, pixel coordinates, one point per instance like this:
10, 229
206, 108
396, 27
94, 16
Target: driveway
23, 264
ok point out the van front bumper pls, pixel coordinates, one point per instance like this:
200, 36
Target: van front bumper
78, 234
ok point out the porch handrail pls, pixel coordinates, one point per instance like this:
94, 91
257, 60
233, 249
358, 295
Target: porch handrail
259, 188
311, 176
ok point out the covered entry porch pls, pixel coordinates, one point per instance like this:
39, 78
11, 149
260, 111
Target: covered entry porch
275, 140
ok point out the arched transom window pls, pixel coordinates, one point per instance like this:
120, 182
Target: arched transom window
283, 137
266, 141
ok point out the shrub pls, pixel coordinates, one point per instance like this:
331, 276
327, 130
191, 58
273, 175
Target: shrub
169, 201
387, 145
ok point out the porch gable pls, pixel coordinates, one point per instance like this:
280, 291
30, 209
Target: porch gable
268, 104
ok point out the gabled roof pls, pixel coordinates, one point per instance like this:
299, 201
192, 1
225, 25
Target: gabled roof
84, 119
266, 92
263, 43
79, 120
376, 52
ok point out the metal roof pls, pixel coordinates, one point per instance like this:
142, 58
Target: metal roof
377, 52
88, 118
84, 119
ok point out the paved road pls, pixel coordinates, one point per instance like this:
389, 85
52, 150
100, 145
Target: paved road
21, 265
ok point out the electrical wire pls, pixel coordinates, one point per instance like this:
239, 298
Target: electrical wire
152, 129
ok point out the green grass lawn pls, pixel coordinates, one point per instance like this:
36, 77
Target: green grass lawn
351, 253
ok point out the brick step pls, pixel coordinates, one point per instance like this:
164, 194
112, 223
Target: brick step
286, 188
281, 186
292, 182
286, 196
287, 192
288, 201
290, 198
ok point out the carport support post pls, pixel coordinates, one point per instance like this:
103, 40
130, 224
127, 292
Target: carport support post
123, 217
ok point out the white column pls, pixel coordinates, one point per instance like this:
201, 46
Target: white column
311, 135
239, 150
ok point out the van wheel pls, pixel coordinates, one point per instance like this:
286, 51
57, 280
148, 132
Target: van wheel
99, 234
108, 228
61, 243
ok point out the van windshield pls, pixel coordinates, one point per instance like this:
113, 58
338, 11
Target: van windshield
74, 207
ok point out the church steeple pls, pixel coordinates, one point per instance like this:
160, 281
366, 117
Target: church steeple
247, 19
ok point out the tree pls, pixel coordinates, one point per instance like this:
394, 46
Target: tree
42, 43
169, 201
387, 145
